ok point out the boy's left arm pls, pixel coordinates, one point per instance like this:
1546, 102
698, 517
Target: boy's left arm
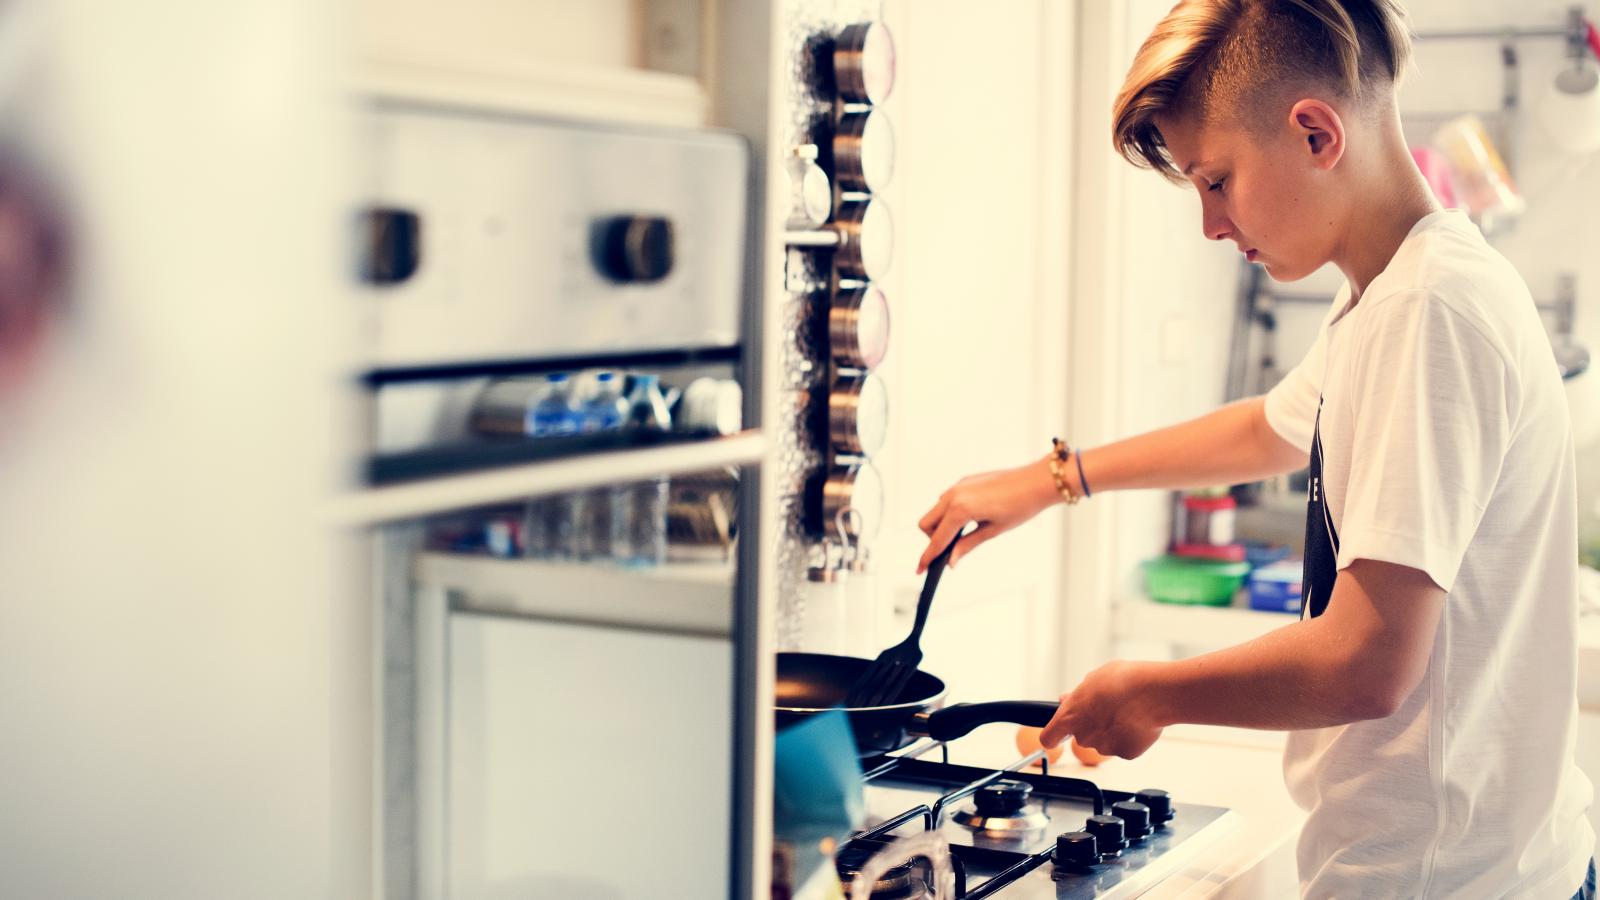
1359, 660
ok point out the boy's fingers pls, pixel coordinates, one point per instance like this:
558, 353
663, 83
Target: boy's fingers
942, 536
931, 519
1057, 730
970, 541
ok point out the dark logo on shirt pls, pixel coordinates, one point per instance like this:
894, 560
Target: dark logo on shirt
1322, 539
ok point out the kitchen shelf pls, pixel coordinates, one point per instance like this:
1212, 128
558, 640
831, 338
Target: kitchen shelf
377, 506
1209, 627
526, 86
695, 598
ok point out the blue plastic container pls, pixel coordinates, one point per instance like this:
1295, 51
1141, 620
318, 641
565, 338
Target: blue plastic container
1276, 587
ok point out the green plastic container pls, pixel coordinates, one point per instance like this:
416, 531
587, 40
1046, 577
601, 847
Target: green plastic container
1202, 582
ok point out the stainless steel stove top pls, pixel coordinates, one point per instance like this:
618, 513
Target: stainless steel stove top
1003, 827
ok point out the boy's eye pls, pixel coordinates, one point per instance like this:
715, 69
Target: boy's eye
1216, 186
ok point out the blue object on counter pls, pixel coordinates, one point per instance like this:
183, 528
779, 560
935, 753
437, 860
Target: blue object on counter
1259, 554
1276, 587
816, 787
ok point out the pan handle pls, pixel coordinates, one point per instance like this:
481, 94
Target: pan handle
957, 720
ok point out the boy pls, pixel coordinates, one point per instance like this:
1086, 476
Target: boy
1429, 688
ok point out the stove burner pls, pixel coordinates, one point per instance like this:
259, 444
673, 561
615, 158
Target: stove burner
903, 882
1001, 809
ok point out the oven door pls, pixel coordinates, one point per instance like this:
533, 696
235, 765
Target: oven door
563, 728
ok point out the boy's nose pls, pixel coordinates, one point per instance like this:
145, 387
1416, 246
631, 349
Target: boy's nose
1216, 227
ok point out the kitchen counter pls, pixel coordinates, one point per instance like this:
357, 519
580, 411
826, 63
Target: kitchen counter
1241, 770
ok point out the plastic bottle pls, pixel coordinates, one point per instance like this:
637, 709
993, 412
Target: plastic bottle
605, 412
640, 509
555, 414
551, 521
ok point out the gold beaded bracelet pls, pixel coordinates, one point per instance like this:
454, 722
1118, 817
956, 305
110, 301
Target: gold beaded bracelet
1059, 453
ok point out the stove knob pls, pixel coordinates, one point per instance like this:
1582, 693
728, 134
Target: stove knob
1002, 798
1108, 831
635, 249
1076, 850
1160, 805
1135, 819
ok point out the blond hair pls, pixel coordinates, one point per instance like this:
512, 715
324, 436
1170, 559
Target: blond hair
1232, 58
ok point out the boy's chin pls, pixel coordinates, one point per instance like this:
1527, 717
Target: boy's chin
1285, 273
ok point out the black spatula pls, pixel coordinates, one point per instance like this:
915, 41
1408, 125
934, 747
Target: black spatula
882, 682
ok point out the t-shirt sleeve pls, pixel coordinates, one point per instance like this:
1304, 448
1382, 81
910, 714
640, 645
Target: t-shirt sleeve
1291, 405
1429, 398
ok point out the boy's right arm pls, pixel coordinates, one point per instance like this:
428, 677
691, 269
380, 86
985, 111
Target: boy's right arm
1231, 445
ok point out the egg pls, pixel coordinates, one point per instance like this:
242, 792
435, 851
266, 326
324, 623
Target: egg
1087, 755
1028, 742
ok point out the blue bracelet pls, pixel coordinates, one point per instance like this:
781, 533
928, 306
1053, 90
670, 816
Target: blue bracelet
1084, 482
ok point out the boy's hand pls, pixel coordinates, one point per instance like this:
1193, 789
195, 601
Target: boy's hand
1108, 712
998, 501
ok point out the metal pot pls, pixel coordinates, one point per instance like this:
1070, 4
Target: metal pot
858, 327
863, 63
861, 236
866, 244
863, 151
858, 414
853, 486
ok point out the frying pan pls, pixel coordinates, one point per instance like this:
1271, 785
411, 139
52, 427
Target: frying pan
811, 683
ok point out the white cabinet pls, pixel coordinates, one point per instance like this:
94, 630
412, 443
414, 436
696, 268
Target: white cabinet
557, 730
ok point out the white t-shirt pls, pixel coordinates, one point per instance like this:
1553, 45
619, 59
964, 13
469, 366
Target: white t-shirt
1440, 440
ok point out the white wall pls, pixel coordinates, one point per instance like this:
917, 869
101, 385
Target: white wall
1149, 335
1560, 229
978, 303
600, 33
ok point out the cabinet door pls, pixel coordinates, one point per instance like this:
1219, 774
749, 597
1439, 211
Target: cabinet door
582, 757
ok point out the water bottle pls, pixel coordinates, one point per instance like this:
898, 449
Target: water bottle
551, 528
606, 410
555, 414
604, 413
642, 506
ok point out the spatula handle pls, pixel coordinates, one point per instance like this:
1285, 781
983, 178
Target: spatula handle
929, 585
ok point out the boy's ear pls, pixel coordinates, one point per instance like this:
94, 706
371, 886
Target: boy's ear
1320, 131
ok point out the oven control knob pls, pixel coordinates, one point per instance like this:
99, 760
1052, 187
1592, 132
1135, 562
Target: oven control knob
635, 249
1002, 798
1109, 833
1135, 819
1076, 850
1160, 805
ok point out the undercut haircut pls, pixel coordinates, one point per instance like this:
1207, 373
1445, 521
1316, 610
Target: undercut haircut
1235, 60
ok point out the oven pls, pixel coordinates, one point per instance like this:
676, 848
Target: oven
561, 467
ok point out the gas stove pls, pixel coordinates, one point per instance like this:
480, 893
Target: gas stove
1018, 833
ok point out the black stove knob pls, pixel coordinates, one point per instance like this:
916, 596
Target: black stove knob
635, 249
1135, 819
1002, 798
1160, 805
1109, 832
1076, 850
